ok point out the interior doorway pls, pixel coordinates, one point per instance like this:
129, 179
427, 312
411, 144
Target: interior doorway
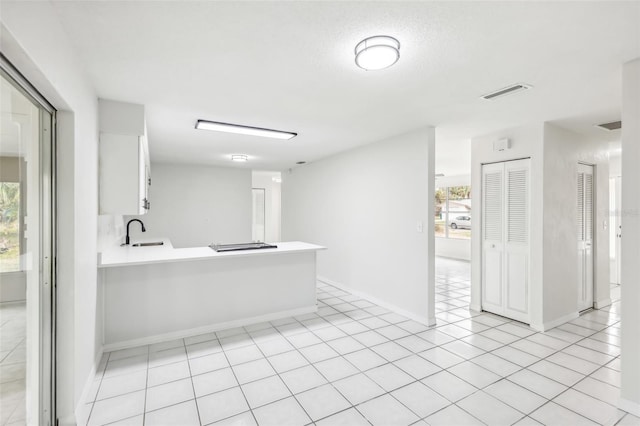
452, 232
266, 202
453, 223
27, 298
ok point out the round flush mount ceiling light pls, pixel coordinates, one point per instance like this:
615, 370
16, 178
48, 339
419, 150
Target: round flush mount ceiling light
377, 52
239, 157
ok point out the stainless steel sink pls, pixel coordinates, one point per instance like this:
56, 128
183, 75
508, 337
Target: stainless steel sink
155, 243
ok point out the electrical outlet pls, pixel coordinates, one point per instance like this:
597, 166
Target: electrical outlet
419, 226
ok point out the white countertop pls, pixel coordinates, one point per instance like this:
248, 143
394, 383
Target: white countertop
129, 256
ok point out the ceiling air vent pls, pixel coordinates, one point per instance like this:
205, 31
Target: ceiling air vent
614, 125
506, 91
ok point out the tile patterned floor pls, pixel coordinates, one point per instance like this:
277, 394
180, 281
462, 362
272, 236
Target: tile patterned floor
355, 363
12, 363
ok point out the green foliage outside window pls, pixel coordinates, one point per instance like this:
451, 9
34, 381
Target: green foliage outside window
9, 226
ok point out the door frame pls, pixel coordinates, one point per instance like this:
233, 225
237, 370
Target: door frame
615, 225
480, 221
594, 244
48, 248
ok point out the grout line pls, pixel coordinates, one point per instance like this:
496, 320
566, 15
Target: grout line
278, 374
364, 372
237, 381
193, 388
146, 388
338, 297
550, 401
95, 398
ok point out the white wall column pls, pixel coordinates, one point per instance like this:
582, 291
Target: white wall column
373, 208
630, 288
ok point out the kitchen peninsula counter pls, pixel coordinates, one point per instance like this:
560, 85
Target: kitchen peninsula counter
129, 256
159, 293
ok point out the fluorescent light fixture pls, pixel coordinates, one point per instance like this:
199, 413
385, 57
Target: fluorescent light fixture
507, 91
377, 52
239, 157
243, 130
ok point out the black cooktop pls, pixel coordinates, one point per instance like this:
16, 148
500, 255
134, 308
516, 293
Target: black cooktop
241, 246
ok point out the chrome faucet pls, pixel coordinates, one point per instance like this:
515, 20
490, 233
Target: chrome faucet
126, 241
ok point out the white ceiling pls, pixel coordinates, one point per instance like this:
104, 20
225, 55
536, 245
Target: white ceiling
290, 66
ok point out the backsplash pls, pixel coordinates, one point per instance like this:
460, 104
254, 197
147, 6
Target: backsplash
111, 231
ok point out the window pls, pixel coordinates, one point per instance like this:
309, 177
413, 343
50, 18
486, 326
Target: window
9, 226
453, 212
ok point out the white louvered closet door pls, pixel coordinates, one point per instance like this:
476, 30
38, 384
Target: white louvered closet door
585, 236
505, 220
492, 236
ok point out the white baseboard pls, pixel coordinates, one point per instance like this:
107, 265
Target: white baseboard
423, 320
69, 420
476, 308
208, 328
87, 387
552, 324
599, 304
629, 406
13, 302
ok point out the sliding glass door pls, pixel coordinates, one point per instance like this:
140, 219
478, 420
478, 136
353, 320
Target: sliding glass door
27, 298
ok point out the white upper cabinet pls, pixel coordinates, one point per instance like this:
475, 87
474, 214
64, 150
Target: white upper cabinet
124, 159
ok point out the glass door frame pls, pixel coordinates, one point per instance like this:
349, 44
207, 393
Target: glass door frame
47, 283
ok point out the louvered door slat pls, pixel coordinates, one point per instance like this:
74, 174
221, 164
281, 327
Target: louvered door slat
580, 207
588, 206
492, 201
517, 206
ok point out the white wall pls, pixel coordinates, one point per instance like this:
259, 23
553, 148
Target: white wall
364, 205
453, 156
563, 150
554, 153
111, 231
615, 164
264, 179
630, 288
49, 63
195, 206
526, 142
454, 248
